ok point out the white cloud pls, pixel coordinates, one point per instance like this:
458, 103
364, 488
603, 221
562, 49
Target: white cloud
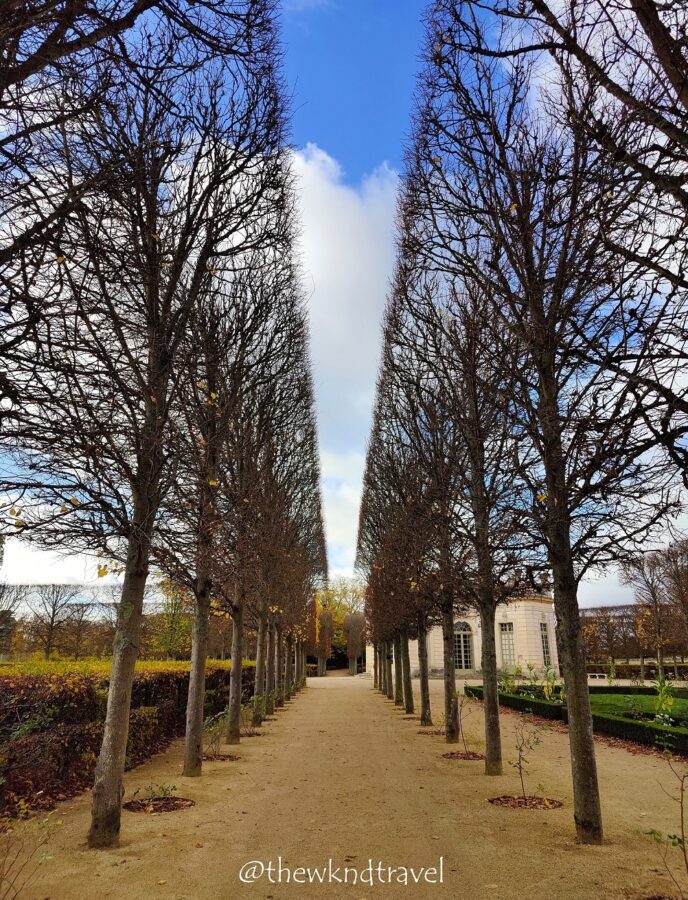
348, 255
24, 563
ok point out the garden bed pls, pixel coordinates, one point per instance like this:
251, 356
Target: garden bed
466, 754
511, 802
152, 805
606, 718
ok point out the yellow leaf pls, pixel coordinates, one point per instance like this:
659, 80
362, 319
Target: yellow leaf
19, 523
14, 512
213, 483
74, 501
64, 508
541, 498
513, 209
59, 260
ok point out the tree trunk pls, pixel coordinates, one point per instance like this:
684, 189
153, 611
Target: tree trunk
289, 669
493, 739
586, 797
375, 667
195, 704
297, 665
234, 706
259, 687
398, 685
279, 670
406, 674
450, 729
270, 677
425, 714
389, 681
106, 808
642, 667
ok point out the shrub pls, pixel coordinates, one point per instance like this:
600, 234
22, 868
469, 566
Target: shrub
546, 708
51, 726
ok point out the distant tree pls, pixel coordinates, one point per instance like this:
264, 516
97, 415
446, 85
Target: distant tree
325, 637
354, 627
644, 573
52, 608
78, 631
12, 598
170, 622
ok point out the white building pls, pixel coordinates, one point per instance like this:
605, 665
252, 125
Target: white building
524, 632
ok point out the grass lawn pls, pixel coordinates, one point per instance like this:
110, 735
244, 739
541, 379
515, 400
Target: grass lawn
627, 704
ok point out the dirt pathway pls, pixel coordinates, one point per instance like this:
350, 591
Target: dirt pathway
340, 774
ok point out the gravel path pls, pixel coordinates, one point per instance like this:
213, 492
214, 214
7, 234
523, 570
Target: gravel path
340, 774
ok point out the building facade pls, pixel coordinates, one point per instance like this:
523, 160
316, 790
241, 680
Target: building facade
524, 633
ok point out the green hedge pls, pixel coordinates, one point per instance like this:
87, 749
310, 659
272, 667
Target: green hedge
545, 708
646, 690
651, 733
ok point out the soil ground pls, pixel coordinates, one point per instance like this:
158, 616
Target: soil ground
340, 774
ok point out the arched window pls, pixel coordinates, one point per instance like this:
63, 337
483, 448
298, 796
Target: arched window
463, 646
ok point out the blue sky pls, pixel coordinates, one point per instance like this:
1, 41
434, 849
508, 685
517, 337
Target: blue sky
351, 64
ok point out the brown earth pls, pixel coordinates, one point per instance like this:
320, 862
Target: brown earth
341, 775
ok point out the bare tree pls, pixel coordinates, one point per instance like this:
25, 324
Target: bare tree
51, 607
506, 195
191, 144
623, 71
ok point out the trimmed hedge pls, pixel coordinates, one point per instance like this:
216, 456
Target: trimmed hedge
546, 708
50, 733
652, 734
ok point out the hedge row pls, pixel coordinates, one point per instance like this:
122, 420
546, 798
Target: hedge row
546, 708
51, 733
651, 733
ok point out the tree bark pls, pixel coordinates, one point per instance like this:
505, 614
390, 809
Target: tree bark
493, 738
425, 714
259, 687
289, 667
375, 667
406, 674
389, 681
586, 796
398, 685
297, 665
195, 704
450, 719
270, 676
106, 808
279, 669
234, 706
